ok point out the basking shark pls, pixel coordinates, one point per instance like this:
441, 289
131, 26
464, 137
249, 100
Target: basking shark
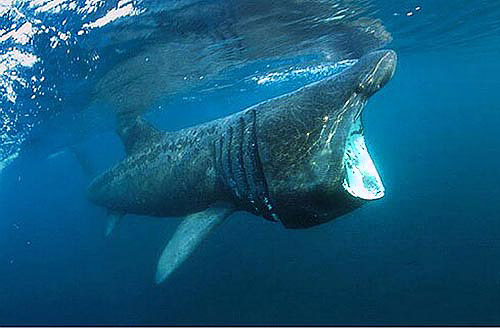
299, 159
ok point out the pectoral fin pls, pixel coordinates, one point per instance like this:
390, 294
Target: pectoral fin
189, 234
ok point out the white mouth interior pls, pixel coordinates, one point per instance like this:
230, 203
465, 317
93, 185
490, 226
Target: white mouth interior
362, 179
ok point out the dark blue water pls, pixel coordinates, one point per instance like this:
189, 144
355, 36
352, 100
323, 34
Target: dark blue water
427, 253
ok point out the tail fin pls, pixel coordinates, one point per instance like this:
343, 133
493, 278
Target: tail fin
84, 161
190, 233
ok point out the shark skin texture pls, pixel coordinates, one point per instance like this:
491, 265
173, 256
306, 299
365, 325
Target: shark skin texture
299, 159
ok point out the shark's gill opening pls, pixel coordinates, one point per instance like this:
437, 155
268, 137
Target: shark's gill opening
361, 177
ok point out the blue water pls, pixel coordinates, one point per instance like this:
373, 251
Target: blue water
427, 253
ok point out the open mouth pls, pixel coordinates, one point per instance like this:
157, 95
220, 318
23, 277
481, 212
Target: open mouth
361, 177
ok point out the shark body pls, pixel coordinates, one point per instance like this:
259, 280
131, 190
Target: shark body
299, 159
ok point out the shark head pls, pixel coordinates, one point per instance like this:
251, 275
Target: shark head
322, 169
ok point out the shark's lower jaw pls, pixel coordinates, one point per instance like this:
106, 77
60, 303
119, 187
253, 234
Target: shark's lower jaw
361, 177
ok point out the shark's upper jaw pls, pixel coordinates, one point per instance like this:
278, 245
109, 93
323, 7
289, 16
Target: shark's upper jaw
377, 69
361, 177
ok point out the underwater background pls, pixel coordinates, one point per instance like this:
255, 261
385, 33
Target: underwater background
426, 253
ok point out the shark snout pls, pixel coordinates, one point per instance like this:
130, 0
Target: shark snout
378, 68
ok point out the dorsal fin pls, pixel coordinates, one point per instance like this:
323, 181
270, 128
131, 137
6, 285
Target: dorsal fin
137, 134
